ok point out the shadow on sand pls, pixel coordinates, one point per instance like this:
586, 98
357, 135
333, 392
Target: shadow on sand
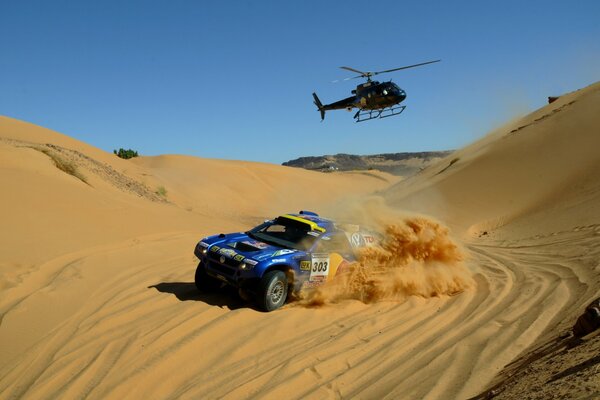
226, 297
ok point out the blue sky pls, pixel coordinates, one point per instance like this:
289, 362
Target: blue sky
233, 80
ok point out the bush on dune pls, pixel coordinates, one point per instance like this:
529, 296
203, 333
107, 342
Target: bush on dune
126, 154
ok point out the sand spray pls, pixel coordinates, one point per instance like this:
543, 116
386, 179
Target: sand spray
415, 257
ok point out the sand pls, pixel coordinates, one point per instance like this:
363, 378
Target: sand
96, 272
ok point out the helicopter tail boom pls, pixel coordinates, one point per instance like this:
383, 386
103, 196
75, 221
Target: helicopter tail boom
347, 103
319, 106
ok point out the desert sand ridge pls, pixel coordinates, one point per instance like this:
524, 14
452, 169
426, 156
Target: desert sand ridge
522, 166
97, 297
527, 200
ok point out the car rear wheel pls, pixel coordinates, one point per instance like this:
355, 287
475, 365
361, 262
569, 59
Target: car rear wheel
272, 290
204, 282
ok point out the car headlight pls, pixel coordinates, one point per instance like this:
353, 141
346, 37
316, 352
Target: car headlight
204, 246
247, 265
201, 249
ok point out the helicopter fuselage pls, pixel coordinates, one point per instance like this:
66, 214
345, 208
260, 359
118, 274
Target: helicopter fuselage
371, 95
373, 99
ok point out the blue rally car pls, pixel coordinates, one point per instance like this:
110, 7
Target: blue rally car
280, 256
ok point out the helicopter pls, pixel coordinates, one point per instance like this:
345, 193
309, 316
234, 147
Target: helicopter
372, 98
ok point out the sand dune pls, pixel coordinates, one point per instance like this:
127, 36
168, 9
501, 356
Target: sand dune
522, 167
51, 212
238, 189
97, 296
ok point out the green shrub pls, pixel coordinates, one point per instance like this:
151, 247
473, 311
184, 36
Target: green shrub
161, 191
126, 154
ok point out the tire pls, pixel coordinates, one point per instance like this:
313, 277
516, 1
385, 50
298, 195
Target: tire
205, 283
272, 290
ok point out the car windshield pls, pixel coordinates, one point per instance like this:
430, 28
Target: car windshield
285, 232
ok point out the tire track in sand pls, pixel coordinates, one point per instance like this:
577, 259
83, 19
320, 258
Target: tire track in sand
126, 339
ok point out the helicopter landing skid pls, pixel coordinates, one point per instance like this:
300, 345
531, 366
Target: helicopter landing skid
365, 115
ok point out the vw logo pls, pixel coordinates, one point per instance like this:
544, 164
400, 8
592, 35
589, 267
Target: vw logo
222, 260
355, 239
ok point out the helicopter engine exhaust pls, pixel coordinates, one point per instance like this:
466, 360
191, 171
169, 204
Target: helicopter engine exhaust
319, 106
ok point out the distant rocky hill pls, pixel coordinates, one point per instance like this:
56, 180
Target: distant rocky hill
404, 164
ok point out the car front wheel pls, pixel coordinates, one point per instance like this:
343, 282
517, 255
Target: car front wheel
272, 290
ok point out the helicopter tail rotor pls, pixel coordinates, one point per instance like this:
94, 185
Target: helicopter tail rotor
319, 106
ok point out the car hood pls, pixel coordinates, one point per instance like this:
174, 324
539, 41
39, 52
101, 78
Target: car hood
237, 244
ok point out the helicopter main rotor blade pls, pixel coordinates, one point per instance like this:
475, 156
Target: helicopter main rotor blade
357, 71
369, 74
408, 66
345, 79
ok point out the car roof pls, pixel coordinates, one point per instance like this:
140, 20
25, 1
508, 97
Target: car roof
313, 220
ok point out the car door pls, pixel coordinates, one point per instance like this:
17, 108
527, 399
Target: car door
329, 255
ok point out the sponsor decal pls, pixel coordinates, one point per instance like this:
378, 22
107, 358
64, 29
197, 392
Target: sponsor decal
215, 248
238, 257
279, 260
355, 239
319, 267
313, 233
261, 257
250, 261
311, 284
228, 252
256, 243
305, 265
358, 239
283, 252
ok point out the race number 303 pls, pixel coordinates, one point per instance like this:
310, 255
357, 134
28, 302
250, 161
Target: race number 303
319, 266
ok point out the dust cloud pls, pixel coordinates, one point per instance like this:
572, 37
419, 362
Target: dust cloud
416, 256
